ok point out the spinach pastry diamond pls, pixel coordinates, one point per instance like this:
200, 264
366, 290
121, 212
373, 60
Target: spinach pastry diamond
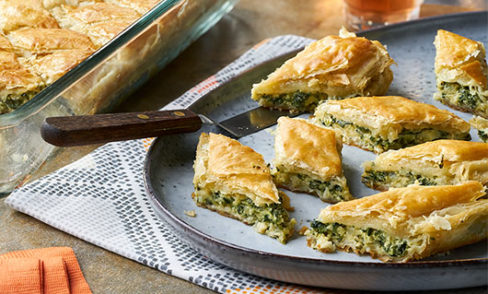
389, 122
308, 159
462, 73
404, 224
335, 67
233, 180
442, 162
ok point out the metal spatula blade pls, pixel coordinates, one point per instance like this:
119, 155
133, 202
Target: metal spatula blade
252, 121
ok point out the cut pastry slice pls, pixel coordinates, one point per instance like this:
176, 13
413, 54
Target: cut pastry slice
335, 67
462, 73
389, 122
308, 159
100, 21
404, 224
443, 162
15, 14
50, 53
17, 84
481, 124
234, 180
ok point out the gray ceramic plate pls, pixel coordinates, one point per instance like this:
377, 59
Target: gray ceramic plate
169, 176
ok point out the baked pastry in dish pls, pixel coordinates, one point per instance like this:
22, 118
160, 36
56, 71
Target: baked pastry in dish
389, 122
100, 21
233, 180
481, 124
404, 224
42, 40
308, 159
335, 67
462, 73
50, 53
17, 83
442, 162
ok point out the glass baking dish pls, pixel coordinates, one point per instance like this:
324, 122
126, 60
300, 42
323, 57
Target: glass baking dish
102, 80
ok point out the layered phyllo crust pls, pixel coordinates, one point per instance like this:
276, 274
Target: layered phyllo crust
443, 162
461, 73
335, 67
308, 159
234, 180
389, 122
404, 224
481, 124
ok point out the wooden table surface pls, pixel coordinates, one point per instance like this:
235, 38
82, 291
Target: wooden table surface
250, 22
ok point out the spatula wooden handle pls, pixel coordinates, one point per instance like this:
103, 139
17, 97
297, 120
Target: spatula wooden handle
103, 128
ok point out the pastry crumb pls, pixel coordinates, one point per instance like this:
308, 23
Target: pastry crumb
190, 213
303, 230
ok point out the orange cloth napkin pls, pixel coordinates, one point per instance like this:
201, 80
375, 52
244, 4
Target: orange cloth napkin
52, 270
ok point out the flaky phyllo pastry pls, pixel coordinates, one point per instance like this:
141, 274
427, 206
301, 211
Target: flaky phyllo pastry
481, 124
335, 67
461, 72
389, 122
41, 40
308, 159
234, 180
404, 224
443, 162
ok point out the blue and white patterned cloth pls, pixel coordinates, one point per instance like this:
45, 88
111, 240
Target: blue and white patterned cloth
101, 199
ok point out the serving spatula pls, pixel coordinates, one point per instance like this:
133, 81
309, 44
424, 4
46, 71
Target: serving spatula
104, 128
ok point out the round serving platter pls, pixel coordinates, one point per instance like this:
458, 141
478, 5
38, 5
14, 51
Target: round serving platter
169, 175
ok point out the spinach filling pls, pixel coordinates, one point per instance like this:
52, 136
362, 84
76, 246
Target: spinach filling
248, 211
337, 233
483, 135
405, 138
333, 190
14, 101
374, 178
464, 96
297, 100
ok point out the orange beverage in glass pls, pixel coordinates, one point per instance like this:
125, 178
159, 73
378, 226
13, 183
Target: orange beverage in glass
364, 14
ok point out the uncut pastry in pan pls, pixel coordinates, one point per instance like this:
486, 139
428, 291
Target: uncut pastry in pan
233, 180
461, 72
389, 122
308, 159
404, 224
481, 124
335, 67
442, 162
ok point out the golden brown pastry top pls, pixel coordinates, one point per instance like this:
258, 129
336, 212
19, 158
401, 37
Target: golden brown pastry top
42, 41
343, 61
100, 21
459, 59
449, 150
52, 66
14, 78
308, 147
396, 109
238, 168
49, 37
404, 210
71, 16
141, 6
5, 44
18, 14
332, 54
